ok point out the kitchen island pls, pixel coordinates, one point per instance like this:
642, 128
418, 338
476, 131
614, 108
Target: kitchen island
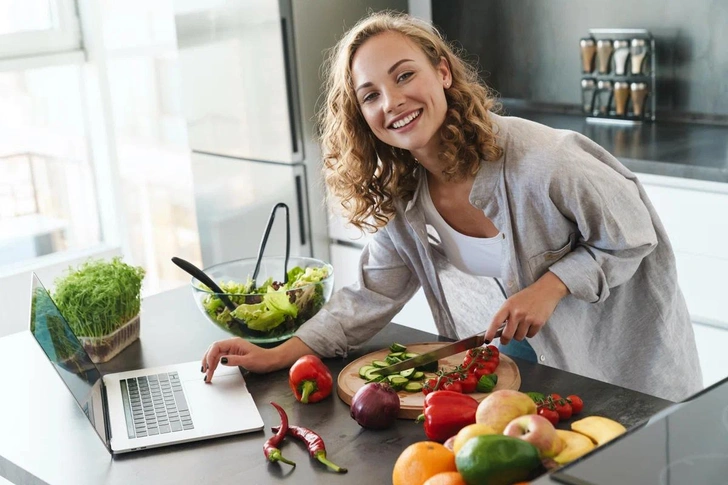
45, 437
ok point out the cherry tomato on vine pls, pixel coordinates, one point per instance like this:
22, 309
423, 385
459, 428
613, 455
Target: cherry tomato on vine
577, 404
549, 414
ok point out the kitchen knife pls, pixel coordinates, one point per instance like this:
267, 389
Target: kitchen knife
451, 349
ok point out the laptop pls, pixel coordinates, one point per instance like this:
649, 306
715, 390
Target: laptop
145, 408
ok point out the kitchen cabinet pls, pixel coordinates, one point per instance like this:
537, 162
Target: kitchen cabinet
694, 215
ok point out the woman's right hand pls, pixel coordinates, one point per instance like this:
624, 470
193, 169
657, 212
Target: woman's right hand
239, 352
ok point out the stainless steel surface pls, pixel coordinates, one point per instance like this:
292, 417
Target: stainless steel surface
638, 51
236, 72
445, 351
620, 55
251, 79
233, 201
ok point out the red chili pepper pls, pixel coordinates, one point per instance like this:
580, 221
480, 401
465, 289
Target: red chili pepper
446, 413
314, 443
310, 379
270, 448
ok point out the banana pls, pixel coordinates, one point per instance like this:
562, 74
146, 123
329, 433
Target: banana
575, 446
598, 429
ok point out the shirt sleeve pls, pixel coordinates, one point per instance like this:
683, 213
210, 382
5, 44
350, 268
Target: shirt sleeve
356, 313
615, 227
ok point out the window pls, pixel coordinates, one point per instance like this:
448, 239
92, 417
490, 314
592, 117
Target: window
38, 27
47, 197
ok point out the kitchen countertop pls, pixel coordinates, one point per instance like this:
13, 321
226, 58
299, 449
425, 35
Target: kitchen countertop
46, 439
669, 148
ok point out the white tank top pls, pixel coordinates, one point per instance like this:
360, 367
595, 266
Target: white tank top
479, 256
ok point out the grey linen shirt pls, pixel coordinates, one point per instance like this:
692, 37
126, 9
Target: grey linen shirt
564, 205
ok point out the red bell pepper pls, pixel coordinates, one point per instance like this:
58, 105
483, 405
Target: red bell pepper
310, 379
446, 413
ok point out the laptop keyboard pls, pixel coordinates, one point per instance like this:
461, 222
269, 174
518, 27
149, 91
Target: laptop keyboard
154, 405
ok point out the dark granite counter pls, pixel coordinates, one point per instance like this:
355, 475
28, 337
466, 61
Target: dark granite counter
47, 439
674, 149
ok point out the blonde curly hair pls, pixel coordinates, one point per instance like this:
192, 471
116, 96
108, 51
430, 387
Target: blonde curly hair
366, 175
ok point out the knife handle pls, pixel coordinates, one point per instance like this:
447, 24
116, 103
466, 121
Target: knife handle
498, 333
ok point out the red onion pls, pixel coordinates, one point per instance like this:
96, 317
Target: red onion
375, 406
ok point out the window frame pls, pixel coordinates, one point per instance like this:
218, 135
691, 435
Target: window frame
65, 37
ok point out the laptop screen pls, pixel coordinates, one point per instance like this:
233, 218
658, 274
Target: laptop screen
72, 363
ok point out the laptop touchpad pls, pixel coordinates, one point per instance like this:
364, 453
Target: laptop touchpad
224, 402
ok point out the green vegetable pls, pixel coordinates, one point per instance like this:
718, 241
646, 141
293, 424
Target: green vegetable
99, 296
536, 396
496, 460
271, 307
486, 383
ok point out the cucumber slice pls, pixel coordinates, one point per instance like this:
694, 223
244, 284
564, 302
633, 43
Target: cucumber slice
413, 387
363, 370
397, 382
371, 374
392, 360
407, 373
395, 347
409, 355
417, 375
399, 355
380, 363
376, 378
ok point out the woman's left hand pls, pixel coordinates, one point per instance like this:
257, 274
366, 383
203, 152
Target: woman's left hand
527, 311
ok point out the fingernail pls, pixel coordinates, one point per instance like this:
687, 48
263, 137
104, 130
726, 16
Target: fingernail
202, 368
205, 378
224, 360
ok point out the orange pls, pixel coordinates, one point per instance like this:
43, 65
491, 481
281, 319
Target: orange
446, 478
420, 461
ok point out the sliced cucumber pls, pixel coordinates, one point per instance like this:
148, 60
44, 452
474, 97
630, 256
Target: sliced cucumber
392, 360
380, 363
397, 382
371, 374
395, 347
363, 370
410, 355
413, 386
407, 373
417, 375
399, 355
375, 378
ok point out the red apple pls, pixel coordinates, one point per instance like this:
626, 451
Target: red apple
538, 431
501, 407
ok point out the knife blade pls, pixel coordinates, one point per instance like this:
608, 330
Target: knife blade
445, 351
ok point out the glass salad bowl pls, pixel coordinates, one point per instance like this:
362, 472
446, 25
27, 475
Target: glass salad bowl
268, 311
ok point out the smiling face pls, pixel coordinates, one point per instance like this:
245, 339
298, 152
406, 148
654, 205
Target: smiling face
401, 94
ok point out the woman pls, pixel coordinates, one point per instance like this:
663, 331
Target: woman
414, 152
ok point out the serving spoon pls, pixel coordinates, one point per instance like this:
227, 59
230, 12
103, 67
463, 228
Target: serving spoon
210, 283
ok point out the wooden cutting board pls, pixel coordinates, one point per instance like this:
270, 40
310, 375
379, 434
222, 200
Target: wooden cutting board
411, 403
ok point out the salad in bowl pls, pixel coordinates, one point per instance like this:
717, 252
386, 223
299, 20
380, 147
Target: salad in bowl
272, 307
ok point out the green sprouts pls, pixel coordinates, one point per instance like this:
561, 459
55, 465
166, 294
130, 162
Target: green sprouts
99, 296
